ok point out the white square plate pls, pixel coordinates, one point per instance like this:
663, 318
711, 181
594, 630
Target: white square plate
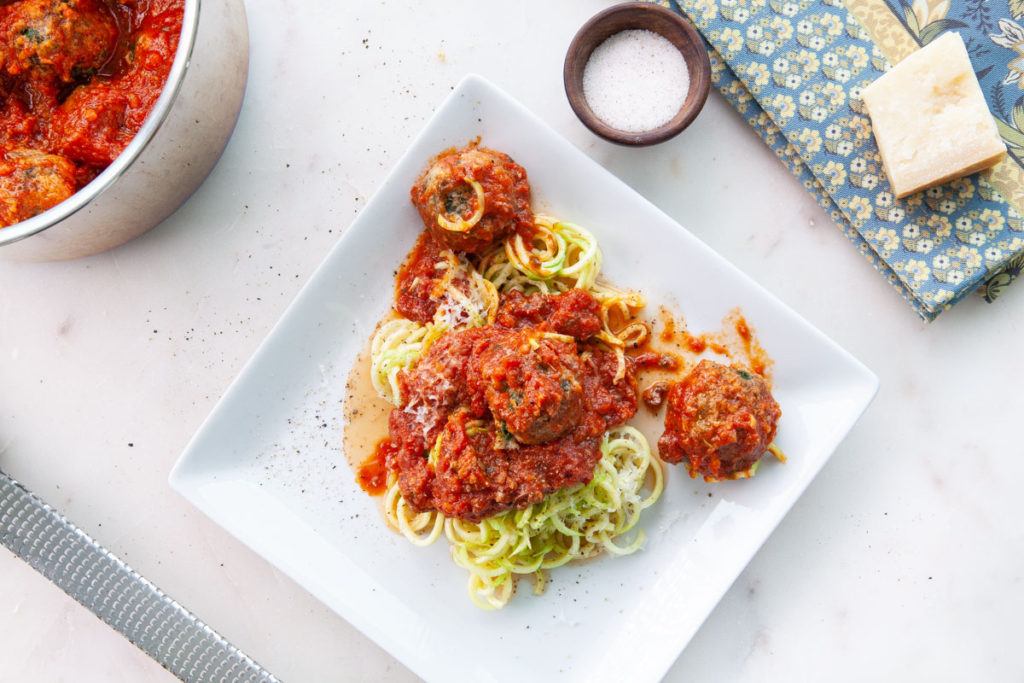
268, 464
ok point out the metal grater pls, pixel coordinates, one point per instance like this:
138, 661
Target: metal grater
117, 594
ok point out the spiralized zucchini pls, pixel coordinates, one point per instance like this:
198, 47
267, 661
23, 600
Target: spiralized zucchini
397, 345
563, 255
573, 523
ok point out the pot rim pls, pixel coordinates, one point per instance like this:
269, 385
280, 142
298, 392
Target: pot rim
77, 201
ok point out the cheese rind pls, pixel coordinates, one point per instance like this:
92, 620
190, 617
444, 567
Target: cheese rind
930, 118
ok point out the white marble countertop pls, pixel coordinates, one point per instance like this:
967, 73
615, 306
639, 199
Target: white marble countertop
904, 559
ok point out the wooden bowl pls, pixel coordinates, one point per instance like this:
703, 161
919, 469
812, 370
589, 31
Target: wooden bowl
643, 16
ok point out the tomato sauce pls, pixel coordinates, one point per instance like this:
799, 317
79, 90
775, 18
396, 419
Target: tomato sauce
735, 341
416, 295
654, 395
78, 80
372, 473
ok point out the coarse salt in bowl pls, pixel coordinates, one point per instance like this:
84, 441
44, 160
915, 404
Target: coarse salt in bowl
636, 80
637, 74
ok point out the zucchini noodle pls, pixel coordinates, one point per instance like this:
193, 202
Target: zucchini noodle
562, 256
619, 327
463, 225
571, 524
420, 529
397, 345
777, 452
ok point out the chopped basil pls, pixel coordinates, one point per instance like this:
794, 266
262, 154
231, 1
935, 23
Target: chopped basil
32, 34
456, 201
505, 434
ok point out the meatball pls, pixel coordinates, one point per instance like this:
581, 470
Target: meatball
720, 420
477, 473
153, 45
99, 119
25, 106
532, 385
472, 198
91, 126
73, 39
439, 378
575, 313
31, 182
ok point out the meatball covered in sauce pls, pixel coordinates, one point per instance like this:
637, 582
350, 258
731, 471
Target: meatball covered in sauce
720, 420
91, 124
532, 384
479, 474
71, 39
472, 198
31, 182
575, 312
439, 378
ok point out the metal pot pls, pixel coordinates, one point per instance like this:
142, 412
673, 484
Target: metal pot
172, 153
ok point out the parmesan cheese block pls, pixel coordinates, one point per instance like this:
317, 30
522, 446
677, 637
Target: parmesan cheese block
930, 118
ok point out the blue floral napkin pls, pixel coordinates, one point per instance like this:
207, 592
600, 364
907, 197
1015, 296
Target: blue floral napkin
795, 70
